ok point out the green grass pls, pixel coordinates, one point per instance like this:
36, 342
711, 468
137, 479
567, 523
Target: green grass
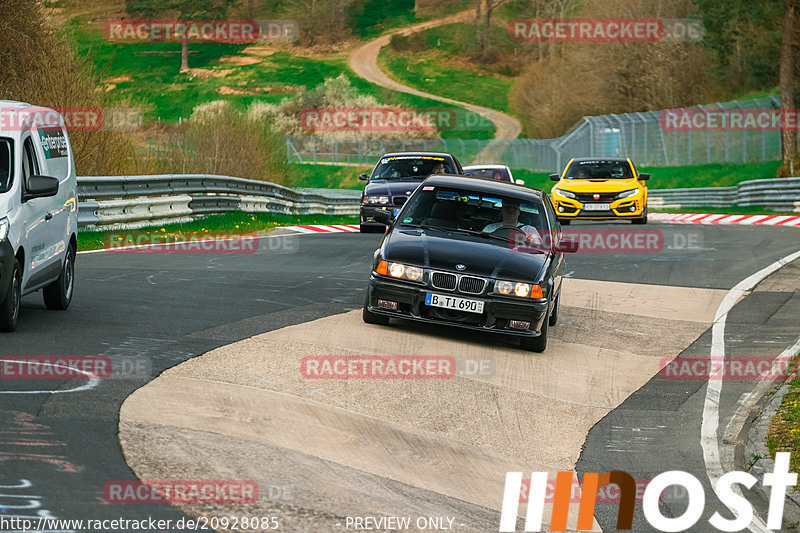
165, 93
429, 71
381, 15
346, 177
233, 223
716, 175
784, 429
329, 176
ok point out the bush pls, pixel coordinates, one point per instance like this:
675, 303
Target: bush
219, 139
408, 43
40, 67
285, 117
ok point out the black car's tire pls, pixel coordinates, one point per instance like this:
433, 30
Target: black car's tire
58, 295
9, 308
371, 318
642, 219
536, 344
565, 222
556, 307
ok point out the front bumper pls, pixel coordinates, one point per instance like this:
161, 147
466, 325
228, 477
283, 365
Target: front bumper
626, 208
368, 215
497, 311
6, 267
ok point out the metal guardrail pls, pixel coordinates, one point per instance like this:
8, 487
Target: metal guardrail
780, 194
132, 201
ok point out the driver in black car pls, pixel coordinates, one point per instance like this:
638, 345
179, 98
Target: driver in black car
511, 227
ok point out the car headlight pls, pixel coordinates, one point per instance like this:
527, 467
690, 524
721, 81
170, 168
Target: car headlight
3, 229
521, 290
625, 194
382, 200
400, 271
566, 194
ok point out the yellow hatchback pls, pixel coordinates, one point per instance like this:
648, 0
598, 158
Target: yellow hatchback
600, 188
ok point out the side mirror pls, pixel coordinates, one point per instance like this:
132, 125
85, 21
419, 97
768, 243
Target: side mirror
555, 177
644, 177
520, 182
568, 245
40, 187
384, 217
363, 177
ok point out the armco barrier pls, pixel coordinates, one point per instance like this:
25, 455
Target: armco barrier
780, 194
144, 200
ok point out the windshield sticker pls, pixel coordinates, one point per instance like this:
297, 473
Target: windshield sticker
407, 220
427, 188
399, 157
54, 143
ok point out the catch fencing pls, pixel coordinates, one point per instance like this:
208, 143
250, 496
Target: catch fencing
636, 135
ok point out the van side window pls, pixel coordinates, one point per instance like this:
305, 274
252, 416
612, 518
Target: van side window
30, 165
6, 164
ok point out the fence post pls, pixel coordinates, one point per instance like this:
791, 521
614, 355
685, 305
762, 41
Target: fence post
315, 150
727, 140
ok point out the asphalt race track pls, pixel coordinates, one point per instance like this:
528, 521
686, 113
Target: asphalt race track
148, 312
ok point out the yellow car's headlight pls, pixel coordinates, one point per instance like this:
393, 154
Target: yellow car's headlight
566, 194
626, 194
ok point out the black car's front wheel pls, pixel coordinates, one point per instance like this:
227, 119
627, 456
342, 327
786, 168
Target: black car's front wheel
371, 318
536, 344
556, 308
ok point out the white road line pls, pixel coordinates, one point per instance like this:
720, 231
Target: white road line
710, 424
93, 382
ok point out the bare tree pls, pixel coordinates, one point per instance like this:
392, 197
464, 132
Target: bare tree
786, 84
483, 34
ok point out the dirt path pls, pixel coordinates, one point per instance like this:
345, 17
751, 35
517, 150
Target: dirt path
364, 61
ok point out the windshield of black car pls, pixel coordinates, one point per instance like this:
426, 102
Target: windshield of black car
508, 218
499, 174
599, 169
411, 167
6, 167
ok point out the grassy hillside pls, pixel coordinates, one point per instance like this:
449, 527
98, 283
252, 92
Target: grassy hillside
149, 73
431, 61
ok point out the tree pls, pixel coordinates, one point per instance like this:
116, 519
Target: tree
786, 84
182, 10
483, 34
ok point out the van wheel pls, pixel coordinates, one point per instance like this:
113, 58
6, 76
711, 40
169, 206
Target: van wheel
58, 295
536, 344
9, 308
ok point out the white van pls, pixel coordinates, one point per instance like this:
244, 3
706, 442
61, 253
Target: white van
38, 209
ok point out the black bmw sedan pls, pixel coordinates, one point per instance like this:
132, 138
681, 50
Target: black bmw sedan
471, 252
395, 177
